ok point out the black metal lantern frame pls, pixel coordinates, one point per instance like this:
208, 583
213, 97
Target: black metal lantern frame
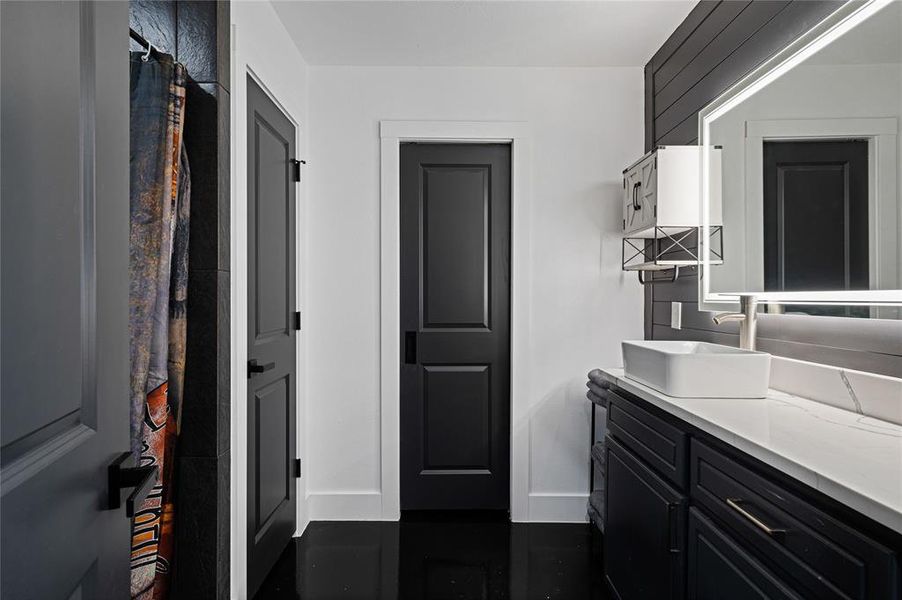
669, 248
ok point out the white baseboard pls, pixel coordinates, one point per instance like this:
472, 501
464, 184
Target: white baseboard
557, 508
301, 528
345, 506
367, 506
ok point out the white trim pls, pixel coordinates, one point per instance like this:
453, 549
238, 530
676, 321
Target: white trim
558, 508
346, 506
833, 26
242, 66
881, 134
392, 134
238, 339
458, 131
809, 128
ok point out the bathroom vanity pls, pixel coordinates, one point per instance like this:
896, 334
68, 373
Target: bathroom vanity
779, 497
716, 485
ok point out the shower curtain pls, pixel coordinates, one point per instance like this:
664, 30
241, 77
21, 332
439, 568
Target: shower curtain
158, 268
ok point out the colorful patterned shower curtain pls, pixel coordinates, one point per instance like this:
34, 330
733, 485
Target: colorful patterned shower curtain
158, 264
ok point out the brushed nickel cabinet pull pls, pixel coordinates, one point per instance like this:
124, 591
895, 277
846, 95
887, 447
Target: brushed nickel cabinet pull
734, 503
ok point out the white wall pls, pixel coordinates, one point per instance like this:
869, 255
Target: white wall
586, 126
261, 46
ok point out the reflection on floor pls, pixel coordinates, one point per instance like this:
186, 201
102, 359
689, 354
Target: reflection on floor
438, 557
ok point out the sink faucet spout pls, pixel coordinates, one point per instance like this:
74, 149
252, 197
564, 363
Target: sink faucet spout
748, 321
725, 317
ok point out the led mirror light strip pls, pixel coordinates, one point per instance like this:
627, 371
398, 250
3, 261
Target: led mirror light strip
833, 27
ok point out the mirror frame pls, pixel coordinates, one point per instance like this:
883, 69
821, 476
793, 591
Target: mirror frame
832, 27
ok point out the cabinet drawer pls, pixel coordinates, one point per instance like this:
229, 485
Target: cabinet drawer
655, 441
801, 543
720, 568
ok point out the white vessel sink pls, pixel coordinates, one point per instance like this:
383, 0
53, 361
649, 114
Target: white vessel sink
697, 369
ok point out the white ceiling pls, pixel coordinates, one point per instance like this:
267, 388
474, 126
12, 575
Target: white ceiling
525, 33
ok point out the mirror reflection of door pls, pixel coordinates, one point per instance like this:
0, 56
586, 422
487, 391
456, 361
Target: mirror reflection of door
816, 219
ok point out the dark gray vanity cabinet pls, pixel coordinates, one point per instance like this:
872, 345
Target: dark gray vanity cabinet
817, 553
687, 515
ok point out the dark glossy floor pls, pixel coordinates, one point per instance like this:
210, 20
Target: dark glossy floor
440, 557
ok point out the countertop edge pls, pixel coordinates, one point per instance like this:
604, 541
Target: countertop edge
880, 512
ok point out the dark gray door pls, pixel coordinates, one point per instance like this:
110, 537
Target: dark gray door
816, 215
455, 326
64, 300
816, 219
271, 334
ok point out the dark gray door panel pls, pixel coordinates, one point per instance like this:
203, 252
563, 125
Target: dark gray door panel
455, 326
271, 395
64, 300
816, 218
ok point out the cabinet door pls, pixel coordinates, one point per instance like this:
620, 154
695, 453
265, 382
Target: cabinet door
645, 518
648, 190
632, 207
632, 218
640, 196
720, 568
627, 190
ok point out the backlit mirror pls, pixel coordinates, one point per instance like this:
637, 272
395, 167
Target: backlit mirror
811, 178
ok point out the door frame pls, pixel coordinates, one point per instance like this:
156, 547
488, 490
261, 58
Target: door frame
242, 68
392, 135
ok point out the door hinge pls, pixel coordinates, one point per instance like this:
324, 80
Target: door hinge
297, 320
296, 169
297, 468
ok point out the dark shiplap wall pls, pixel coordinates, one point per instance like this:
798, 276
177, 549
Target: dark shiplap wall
713, 48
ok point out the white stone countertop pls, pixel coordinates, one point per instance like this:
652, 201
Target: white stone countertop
854, 459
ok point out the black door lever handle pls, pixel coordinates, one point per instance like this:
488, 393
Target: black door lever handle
123, 474
253, 367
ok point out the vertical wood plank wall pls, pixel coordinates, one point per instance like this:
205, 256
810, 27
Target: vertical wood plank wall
716, 45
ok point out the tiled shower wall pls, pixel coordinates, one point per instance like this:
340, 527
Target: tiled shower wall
197, 34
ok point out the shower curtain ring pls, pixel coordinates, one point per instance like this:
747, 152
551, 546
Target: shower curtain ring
147, 54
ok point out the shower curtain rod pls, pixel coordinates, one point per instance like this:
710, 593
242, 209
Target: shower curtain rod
138, 38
